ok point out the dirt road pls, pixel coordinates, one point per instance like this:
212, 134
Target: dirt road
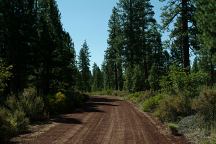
105, 120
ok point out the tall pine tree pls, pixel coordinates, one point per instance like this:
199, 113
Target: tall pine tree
205, 16
138, 24
184, 34
84, 83
114, 51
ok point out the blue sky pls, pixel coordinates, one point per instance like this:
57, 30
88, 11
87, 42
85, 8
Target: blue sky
88, 20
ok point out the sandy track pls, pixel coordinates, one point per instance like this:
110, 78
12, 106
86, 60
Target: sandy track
104, 120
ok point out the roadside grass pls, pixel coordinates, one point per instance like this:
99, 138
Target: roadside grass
108, 93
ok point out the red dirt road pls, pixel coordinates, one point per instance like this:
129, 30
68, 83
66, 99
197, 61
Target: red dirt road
105, 120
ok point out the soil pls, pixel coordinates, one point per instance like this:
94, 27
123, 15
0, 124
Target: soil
104, 120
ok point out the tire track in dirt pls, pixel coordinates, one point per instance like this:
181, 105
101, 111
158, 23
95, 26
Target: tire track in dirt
104, 120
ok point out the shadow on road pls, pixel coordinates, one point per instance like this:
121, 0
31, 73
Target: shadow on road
103, 103
93, 105
103, 99
95, 102
66, 120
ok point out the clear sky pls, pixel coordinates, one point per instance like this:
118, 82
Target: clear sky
88, 20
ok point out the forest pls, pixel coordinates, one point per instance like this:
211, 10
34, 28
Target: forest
174, 79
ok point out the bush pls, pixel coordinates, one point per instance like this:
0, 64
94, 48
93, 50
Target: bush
65, 102
139, 97
151, 104
60, 98
205, 105
79, 99
170, 108
57, 103
109, 92
174, 129
178, 82
190, 126
12, 119
138, 81
5, 75
32, 104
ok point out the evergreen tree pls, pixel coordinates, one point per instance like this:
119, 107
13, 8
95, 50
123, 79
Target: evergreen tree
140, 38
184, 35
154, 80
55, 62
138, 81
2, 29
19, 35
97, 78
195, 67
157, 57
205, 16
114, 51
84, 68
34, 43
108, 76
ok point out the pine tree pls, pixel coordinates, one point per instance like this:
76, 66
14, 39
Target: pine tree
97, 78
108, 76
84, 68
137, 16
34, 43
184, 34
195, 67
157, 57
2, 26
114, 51
205, 16
19, 35
139, 37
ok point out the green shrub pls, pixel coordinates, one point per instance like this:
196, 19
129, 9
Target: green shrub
151, 104
205, 105
32, 104
57, 103
139, 97
170, 108
189, 124
212, 140
79, 99
5, 75
138, 82
60, 98
65, 102
178, 82
173, 128
191, 127
120, 93
12, 119
109, 92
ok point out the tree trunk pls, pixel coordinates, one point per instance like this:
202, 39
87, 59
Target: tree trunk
116, 77
212, 70
185, 37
